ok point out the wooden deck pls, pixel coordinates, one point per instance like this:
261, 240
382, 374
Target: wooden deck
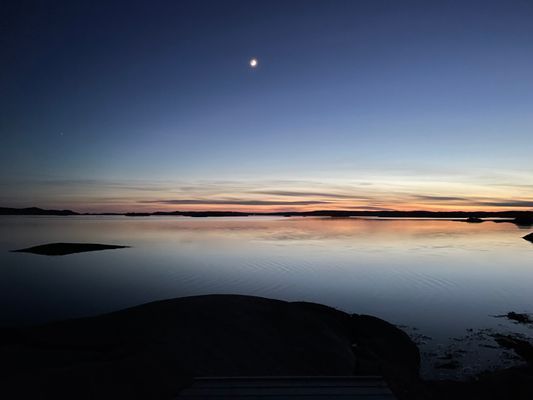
290, 388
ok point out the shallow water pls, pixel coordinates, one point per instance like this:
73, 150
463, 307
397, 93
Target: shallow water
442, 277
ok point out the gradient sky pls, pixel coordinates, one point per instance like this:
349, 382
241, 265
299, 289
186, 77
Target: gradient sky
118, 106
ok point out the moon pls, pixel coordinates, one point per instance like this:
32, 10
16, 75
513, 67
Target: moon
253, 62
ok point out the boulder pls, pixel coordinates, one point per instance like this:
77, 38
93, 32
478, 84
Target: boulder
153, 350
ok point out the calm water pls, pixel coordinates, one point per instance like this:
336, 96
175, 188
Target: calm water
441, 277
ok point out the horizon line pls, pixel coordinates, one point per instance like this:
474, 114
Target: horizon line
507, 211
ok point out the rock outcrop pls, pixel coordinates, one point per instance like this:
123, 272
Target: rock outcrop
153, 350
61, 249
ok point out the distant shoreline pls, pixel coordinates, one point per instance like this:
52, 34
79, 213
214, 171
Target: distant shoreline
525, 217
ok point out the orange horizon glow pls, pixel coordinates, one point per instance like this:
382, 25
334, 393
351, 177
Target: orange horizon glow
374, 193
97, 207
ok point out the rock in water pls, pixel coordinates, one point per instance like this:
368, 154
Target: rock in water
520, 318
525, 220
61, 249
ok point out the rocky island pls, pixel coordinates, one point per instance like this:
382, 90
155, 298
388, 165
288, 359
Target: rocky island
61, 249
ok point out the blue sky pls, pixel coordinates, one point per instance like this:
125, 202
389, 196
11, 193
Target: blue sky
151, 105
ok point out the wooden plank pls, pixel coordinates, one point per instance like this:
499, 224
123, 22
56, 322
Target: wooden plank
290, 388
304, 397
287, 390
290, 377
282, 381
291, 383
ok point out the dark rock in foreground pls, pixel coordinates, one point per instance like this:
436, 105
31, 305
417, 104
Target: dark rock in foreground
522, 347
529, 237
61, 249
153, 350
520, 318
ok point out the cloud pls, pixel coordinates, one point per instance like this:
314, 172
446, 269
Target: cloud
513, 185
508, 203
102, 184
440, 198
368, 208
304, 194
487, 202
234, 202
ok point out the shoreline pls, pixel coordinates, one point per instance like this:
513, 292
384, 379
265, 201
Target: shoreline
524, 217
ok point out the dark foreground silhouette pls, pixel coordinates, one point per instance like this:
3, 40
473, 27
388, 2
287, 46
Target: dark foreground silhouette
61, 249
529, 237
154, 350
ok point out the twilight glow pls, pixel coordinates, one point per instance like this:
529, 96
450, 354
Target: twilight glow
356, 105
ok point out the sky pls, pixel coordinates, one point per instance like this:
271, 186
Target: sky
370, 105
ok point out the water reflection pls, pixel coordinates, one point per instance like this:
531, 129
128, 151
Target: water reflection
440, 276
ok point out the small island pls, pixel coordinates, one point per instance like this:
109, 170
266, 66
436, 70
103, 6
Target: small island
524, 220
61, 249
